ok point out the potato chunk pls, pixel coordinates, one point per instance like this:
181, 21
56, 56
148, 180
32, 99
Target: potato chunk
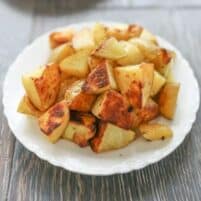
77, 99
58, 38
148, 36
168, 99
42, 86
26, 107
110, 49
61, 52
113, 107
111, 137
83, 39
81, 128
100, 79
94, 61
76, 64
99, 33
155, 131
54, 121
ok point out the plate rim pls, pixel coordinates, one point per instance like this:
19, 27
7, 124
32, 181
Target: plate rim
124, 168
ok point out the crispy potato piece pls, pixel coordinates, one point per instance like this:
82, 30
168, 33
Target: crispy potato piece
147, 35
77, 99
158, 83
100, 79
61, 52
99, 33
26, 107
81, 128
94, 61
42, 86
131, 31
76, 64
113, 107
155, 131
133, 54
110, 49
58, 38
111, 137
65, 84
126, 75
168, 99
54, 121
83, 39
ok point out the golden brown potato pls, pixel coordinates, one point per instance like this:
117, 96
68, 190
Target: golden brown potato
42, 86
155, 131
65, 84
58, 38
61, 52
168, 99
125, 33
148, 36
94, 61
158, 83
110, 49
83, 39
111, 137
26, 107
99, 33
76, 64
113, 107
81, 128
54, 121
100, 79
133, 54
77, 99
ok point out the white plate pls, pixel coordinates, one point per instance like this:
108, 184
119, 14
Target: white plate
65, 154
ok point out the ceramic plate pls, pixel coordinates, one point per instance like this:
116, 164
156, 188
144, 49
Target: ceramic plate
71, 157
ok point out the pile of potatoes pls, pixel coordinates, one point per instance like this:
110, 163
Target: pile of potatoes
101, 86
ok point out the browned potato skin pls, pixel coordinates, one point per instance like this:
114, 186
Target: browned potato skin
77, 99
26, 107
115, 109
168, 99
94, 61
58, 38
133, 30
53, 122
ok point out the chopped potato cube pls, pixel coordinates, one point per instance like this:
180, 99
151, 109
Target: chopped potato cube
54, 121
110, 49
100, 79
155, 131
81, 128
111, 137
26, 107
42, 86
77, 99
76, 64
113, 107
168, 99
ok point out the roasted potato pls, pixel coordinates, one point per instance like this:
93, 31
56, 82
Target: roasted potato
61, 52
54, 121
83, 39
26, 107
111, 137
58, 38
94, 61
133, 54
42, 87
100, 79
110, 49
113, 107
125, 33
76, 64
148, 36
158, 83
155, 131
99, 33
77, 99
168, 99
81, 128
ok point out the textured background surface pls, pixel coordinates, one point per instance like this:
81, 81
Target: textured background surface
24, 177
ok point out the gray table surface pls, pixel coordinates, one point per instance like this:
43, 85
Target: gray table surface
25, 177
